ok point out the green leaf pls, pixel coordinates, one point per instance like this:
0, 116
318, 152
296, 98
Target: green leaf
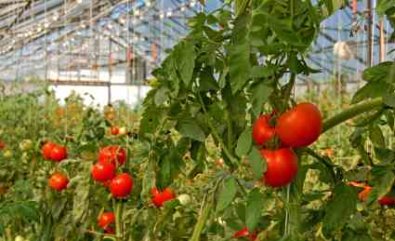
254, 206
161, 95
262, 71
260, 94
189, 128
239, 65
244, 142
258, 164
339, 209
227, 193
371, 90
376, 136
185, 55
383, 72
389, 100
383, 179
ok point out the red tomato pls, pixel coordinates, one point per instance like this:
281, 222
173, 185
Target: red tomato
109, 230
300, 126
106, 219
46, 150
159, 198
58, 181
243, 233
154, 191
114, 154
103, 171
282, 166
58, 153
121, 185
262, 131
114, 130
2, 145
387, 201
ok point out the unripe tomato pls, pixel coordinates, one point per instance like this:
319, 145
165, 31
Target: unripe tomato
26, 145
103, 171
46, 150
113, 154
244, 233
114, 130
184, 199
106, 219
58, 181
262, 131
299, 126
122, 131
121, 185
282, 166
58, 153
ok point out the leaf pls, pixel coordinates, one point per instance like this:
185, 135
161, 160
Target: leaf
227, 193
383, 179
260, 94
254, 206
257, 163
262, 71
389, 100
383, 72
184, 54
376, 136
161, 95
239, 65
244, 142
189, 128
339, 209
371, 90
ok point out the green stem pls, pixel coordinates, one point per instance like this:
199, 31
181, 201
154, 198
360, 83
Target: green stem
215, 134
351, 112
118, 220
203, 216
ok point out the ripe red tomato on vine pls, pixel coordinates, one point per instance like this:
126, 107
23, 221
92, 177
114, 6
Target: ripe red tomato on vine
282, 166
103, 171
121, 186
262, 130
113, 154
160, 197
54, 152
58, 181
105, 220
244, 233
2, 145
114, 130
299, 126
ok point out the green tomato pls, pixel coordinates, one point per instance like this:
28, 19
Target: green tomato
26, 145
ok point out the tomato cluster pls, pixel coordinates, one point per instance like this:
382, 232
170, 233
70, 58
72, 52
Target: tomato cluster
104, 171
160, 197
54, 152
297, 127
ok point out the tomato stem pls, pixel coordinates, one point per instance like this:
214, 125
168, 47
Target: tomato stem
118, 220
203, 216
351, 112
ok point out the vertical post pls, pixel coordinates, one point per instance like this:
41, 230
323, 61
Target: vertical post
109, 70
382, 41
370, 32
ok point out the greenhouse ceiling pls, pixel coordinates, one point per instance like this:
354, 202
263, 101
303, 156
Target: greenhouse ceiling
36, 35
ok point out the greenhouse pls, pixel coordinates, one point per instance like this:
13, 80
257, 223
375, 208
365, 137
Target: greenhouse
200, 120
